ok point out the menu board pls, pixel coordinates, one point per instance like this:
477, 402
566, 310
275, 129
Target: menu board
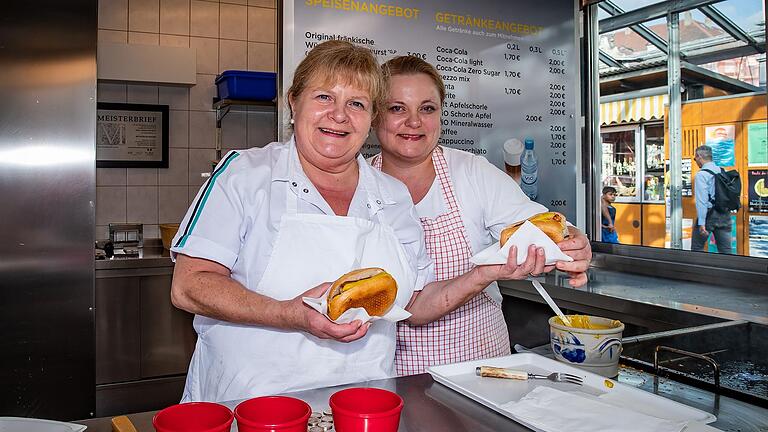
510, 72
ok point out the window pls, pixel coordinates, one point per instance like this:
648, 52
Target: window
723, 107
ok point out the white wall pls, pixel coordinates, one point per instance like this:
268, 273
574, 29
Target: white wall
230, 34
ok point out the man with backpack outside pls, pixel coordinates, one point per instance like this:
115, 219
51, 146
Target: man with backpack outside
717, 193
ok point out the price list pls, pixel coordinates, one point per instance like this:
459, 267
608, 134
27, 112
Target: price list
509, 74
511, 85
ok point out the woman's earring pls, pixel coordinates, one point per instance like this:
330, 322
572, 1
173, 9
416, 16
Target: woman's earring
291, 120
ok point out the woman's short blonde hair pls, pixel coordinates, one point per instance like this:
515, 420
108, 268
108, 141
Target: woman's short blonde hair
338, 62
411, 65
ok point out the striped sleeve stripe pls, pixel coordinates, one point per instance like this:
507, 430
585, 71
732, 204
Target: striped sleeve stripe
201, 200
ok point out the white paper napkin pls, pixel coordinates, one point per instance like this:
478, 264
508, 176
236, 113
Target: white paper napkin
553, 410
528, 234
395, 313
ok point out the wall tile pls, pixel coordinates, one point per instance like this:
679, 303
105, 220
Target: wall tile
207, 54
111, 92
110, 204
233, 55
193, 191
262, 129
101, 232
261, 57
233, 131
219, 33
174, 41
151, 231
176, 97
141, 38
199, 162
174, 202
234, 22
113, 14
141, 204
261, 24
263, 3
111, 177
142, 94
202, 130
112, 36
144, 16
204, 19
142, 176
174, 17
178, 129
177, 173
201, 95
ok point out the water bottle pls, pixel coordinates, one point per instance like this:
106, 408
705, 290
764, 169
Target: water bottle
529, 165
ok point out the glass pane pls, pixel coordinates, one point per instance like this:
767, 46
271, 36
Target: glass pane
730, 120
696, 28
749, 69
620, 163
629, 5
626, 44
653, 176
747, 14
659, 27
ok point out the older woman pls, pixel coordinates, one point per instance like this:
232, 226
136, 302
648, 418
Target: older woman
463, 203
273, 222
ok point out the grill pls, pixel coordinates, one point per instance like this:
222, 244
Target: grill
730, 358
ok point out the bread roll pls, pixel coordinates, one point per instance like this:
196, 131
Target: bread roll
552, 223
370, 288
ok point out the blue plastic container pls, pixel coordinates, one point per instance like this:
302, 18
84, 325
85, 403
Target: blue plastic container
247, 85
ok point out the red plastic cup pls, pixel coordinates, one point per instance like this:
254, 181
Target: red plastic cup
273, 414
366, 410
194, 417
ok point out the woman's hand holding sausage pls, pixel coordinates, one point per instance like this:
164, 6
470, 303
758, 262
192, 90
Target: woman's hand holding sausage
534, 264
309, 320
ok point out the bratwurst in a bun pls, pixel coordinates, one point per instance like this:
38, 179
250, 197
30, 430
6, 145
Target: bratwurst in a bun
370, 288
552, 223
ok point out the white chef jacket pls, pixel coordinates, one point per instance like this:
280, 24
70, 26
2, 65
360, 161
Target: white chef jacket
235, 217
487, 197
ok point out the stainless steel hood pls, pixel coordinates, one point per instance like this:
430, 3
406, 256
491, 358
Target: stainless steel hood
47, 188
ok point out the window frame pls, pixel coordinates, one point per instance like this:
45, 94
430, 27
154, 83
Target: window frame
663, 262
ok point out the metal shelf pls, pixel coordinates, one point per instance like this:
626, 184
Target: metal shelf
222, 108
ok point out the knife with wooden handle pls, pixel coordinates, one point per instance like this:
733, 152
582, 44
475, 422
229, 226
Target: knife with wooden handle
496, 372
122, 424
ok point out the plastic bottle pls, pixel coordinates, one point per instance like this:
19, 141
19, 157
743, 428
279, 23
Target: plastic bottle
529, 164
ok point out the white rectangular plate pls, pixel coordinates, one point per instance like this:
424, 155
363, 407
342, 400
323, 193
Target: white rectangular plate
24, 424
494, 392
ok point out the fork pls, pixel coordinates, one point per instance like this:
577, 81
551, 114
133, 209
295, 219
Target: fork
495, 372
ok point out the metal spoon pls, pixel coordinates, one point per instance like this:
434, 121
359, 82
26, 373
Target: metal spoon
551, 302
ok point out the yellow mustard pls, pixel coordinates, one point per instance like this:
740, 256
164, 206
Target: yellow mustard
583, 322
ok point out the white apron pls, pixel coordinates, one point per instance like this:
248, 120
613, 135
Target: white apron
475, 330
233, 361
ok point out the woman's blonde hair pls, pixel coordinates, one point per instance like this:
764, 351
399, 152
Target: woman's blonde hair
411, 65
333, 62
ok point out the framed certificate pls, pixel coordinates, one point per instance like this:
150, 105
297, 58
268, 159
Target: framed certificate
131, 135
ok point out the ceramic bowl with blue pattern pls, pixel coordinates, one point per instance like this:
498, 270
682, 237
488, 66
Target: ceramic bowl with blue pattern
591, 343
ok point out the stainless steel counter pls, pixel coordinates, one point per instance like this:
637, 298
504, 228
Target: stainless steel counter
143, 343
432, 407
733, 302
149, 257
610, 289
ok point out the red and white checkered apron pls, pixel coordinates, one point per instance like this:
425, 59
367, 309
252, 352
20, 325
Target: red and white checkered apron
477, 329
